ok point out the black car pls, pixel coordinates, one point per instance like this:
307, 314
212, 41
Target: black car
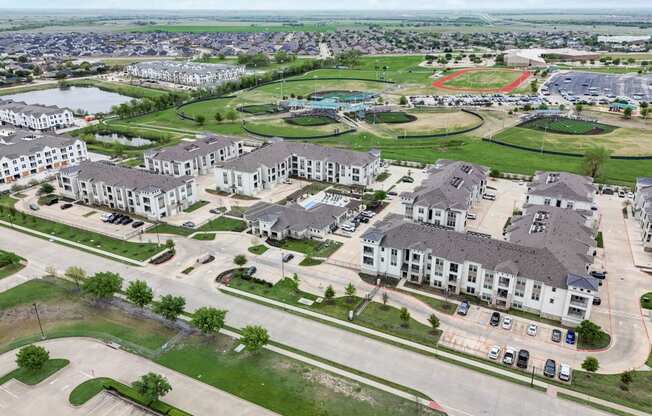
287, 257
495, 319
51, 202
556, 335
392, 193
550, 369
250, 271
115, 218
597, 301
599, 275
523, 359
66, 206
363, 219
137, 224
126, 221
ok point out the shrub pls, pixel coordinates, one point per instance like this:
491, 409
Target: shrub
32, 357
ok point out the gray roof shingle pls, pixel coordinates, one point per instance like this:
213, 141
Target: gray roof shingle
562, 185
26, 142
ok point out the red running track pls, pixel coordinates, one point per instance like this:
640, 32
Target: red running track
506, 88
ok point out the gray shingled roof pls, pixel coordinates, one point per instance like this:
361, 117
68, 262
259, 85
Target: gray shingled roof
135, 179
294, 217
562, 185
531, 262
33, 109
188, 150
26, 142
274, 153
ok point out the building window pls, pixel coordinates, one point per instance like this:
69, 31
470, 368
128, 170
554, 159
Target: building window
369, 261
536, 291
439, 267
488, 280
470, 290
519, 290
451, 219
546, 201
473, 273
552, 301
393, 257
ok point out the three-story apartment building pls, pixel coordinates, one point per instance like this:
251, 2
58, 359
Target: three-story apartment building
642, 207
186, 73
562, 189
35, 117
131, 190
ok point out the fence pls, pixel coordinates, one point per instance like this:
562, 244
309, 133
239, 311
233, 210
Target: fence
558, 153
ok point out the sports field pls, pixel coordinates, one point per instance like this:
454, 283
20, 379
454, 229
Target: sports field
310, 120
280, 127
568, 126
482, 80
259, 109
391, 117
433, 123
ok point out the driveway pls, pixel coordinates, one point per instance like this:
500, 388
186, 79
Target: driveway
89, 359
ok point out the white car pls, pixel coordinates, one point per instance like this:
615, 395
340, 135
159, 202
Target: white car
510, 355
489, 197
564, 372
507, 322
368, 214
532, 330
348, 227
494, 352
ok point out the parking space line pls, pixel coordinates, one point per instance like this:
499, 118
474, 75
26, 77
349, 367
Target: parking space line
8, 392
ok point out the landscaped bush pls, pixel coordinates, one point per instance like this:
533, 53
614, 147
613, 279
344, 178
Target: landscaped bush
163, 257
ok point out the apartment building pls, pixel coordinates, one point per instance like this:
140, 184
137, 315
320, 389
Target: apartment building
282, 221
274, 163
501, 273
446, 195
186, 73
193, 158
131, 190
642, 208
24, 153
562, 189
35, 117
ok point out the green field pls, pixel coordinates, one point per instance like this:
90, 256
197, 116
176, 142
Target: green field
484, 79
568, 126
308, 121
281, 128
241, 28
259, 109
393, 117
8, 268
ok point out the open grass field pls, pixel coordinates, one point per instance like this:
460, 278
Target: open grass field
259, 109
280, 127
568, 126
237, 28
621, 141
7, 269
482, 80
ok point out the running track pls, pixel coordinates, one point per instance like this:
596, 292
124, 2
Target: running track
506, 88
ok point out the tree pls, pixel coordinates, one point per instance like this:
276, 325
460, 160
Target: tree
404, 314
103, 285
152, 386
254, 337
170, 306
218, 117
379, 195
534, 86
200, 119
208, 320
139, 293
627, 377
594, 160
45, 189
350, 291
385, 299
494, 173
231, 115
76, 274
589, 332
434, 321
32, 357
591, 364
627, 112
240, 260
329, 293
403, 100
644, 112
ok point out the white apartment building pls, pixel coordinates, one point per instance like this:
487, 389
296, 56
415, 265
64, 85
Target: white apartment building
562, 189
642, 208
35, 117
131, 190
186, 73
274, 163
193, 158
504, 274
446, 195
24, 153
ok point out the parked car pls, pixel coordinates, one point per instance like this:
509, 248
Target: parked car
66, 205
188, 224
214, 211
463, 309
510, 354
126, 221
523, 359
599, 275
550, 369
407, 179
363, 219
250, 271
51, 202
348, 227
287, 257
105, 217
489, 197
137, 224
507, 322
495, 319
556, 335
532, 330
392, 193
368, 214
471, 216
597, 301
33, 206
206, 258
570, 337
494, 352
115, 218
621, 194
564, 372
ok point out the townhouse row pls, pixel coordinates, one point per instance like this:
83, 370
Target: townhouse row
186, 73
35, 117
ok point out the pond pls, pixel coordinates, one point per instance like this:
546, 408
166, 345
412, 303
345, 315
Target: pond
90, 99
120, 139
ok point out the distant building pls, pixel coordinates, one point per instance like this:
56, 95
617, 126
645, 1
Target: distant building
562, 189
186, 73
24, 153
35, 117
643, 210
537, 57
131, 190
193, 158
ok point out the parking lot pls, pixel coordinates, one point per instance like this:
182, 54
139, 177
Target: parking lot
607, 86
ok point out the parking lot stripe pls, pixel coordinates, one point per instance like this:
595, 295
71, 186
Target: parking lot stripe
8, 392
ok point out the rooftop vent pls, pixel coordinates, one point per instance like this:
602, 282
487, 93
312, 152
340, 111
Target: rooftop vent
191, 148
552, 178
456, 182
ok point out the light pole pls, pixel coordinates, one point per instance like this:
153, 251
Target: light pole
38, 318
282, 267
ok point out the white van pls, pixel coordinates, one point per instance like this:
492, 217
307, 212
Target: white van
564, 372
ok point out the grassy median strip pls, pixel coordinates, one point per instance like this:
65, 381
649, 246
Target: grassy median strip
594, 405
196, 206
258, 250
10, 263
33, 377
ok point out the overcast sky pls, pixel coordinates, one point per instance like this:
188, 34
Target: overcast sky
467, 5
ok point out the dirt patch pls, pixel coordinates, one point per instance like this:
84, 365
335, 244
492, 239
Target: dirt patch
339, 385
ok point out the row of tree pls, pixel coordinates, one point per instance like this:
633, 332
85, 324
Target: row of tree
146, 105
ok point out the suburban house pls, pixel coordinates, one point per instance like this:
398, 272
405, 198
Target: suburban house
562, 189
501, 273
35, 117
274, 163
130, 190
446, 195
186, 73
643, 210
193, 158
282, 221
24, 153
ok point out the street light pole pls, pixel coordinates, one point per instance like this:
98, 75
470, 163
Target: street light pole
532, 378
38, 318
282, 267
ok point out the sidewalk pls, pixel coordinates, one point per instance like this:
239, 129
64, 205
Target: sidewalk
434, 351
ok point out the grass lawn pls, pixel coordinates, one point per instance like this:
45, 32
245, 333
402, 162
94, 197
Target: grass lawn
204, 237
135, 251
602, 342
164, 228
258, 250
484, 79
312, 248
646, 301
568, 126
437, 304
196, 206
8, 269
285, 128
383, 176
224, 224
389, 117
309, 261
259, 109
310, 120
33, 377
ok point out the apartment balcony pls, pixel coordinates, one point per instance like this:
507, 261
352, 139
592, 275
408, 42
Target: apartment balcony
579, 304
